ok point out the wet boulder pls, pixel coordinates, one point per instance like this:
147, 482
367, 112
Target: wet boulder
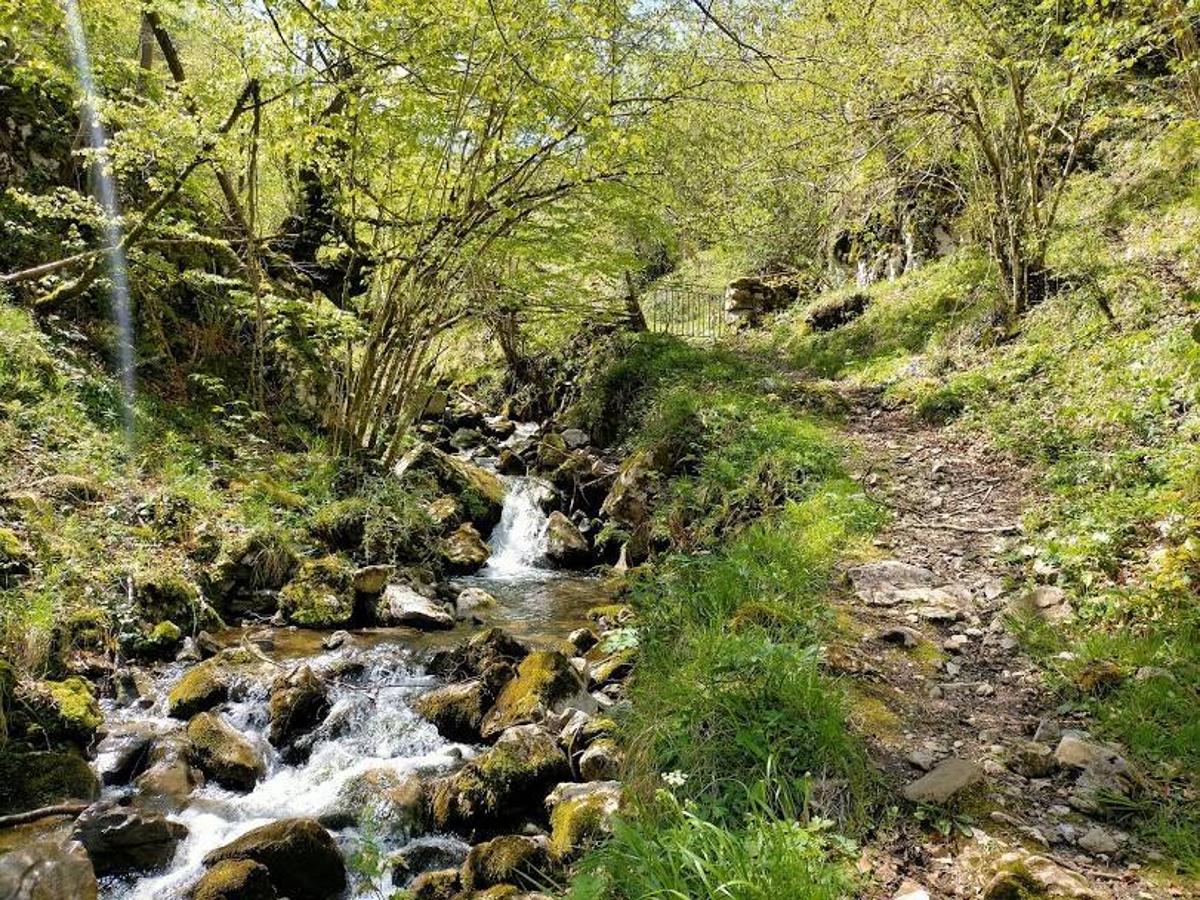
575, 438
235, 879
401, 605
223, 754
480, 492
565, 544
456, 710
492, 655
474, 600
321, 595
500, 784
510, 859
47, 870
44, 778
299, 702
545, 682
170, 778
428, 853
463, 550
122, 839
124, 753
301, 857
393, 801
201, 688
133, 687
581, 814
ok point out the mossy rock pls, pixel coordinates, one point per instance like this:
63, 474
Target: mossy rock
15, 560
44, 778
463, 550
168, 597
299, 702
235, 879
341, 524
250, 567
545, 682
500, 784
72, 489
478, 491
439, 884
487, 650
201, 688
391, 801
457, 710
55, 712
581, 814
613, 613
223, 754
86, 629
158, 643
301, 856
510, 859
321, 595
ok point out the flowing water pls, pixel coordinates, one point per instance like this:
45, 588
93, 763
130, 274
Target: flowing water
376, 727
106, 194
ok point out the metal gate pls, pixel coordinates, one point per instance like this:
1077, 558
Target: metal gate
686, 311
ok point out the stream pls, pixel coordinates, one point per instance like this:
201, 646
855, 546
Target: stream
384, 671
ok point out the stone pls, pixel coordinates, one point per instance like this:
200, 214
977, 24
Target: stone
1046, 602
582, 639
132, 687
372, 579
301, 857
492, 650
439, 884
876, 583
923, 759
478, 490
602, 761
427, 853
501, 783
910, 890
509, 859
580, 814
321, 595
904, 637
956, 643
456, 710
1097, 840
235, 879
201, 688
948, 778
401, 605
251, 568
1047, 732
611, 668
1076, 752
474, 599
336, 640
47, 870
394, 802
123, 753
510, 463
121, 839
55, 712
299, 702
463, 550
628, 500
1033, 760
565, 544
545, 682
223, 754
1019, 875
44, 778
575, 438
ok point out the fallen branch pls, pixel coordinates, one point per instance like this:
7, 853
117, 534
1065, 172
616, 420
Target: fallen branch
45, 812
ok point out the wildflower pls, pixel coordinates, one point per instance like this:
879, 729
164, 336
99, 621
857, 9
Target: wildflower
675, 779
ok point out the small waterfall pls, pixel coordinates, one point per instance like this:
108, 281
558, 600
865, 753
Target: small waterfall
519, 541
106, 193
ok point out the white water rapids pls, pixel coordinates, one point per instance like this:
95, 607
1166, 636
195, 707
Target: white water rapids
376, 728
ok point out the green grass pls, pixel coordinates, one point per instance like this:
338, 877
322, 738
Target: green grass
754, 509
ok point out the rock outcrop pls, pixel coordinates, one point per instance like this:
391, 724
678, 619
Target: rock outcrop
301, 858
223, 754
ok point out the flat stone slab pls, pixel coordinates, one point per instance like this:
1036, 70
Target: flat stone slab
877, 583
949, 777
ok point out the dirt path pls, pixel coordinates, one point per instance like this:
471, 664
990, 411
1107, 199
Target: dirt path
937, 677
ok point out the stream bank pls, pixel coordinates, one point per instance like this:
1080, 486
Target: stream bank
358, 752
